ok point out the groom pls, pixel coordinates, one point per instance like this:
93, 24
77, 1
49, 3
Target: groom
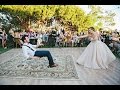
30, 52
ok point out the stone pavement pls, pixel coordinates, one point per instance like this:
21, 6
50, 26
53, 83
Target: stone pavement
87, 76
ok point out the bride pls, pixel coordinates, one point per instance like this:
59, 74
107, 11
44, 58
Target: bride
96, 55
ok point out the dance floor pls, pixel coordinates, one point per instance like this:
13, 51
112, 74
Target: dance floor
20, 67
16, 70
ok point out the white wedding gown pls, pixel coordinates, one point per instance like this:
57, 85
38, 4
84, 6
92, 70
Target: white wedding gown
97, 55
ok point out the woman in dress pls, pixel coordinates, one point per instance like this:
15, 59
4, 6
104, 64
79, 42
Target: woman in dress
96, 55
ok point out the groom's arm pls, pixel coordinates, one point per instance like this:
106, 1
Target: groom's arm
36, 46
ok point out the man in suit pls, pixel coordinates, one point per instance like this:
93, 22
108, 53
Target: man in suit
30, 52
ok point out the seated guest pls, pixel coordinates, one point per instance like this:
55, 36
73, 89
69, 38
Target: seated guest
30, 52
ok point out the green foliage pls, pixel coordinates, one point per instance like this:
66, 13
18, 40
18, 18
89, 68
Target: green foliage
2, 50
24, 15
101, 18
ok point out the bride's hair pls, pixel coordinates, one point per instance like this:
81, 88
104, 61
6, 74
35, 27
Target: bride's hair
92, 28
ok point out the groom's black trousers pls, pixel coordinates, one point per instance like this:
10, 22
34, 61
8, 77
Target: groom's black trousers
45, 54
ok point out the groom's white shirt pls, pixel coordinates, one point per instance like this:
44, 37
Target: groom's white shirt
27, 51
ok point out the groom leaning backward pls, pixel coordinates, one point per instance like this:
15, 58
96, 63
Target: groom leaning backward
30, 52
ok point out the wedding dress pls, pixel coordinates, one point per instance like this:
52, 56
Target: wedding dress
97, 55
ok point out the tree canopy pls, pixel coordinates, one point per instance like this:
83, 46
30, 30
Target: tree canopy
23, 15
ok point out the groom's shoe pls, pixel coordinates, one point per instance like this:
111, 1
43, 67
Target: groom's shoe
54, 59
54, 65
77, 63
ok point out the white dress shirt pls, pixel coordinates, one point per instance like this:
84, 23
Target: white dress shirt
27, 51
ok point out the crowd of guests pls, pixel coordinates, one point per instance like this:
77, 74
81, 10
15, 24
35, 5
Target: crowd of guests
111, 39
57, 38
3, 38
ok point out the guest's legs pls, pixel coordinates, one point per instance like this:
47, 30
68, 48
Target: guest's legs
4, 43
45, 54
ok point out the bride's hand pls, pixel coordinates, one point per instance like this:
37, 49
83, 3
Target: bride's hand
84, 36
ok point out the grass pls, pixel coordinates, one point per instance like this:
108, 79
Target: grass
2, 50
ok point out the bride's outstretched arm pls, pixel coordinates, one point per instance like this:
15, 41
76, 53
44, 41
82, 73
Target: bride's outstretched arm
84, 36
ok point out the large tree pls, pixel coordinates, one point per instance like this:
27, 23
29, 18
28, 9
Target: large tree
102, 18
24, 15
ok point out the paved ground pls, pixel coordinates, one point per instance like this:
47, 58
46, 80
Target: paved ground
87, 76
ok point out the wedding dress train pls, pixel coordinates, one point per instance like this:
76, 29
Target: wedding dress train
97, 55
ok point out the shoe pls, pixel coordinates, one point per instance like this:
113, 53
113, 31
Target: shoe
5, 47
54, 59
77, 63
54, 65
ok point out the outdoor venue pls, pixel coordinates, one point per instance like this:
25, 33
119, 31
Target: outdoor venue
72, 34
